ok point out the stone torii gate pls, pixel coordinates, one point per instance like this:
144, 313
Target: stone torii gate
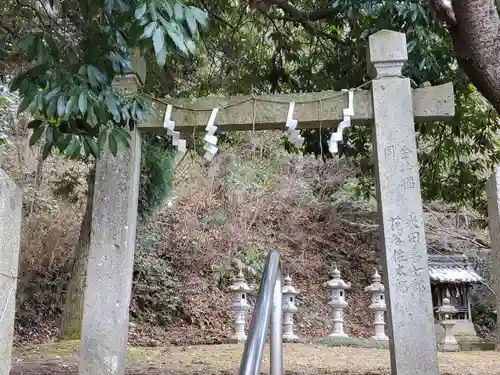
391, 106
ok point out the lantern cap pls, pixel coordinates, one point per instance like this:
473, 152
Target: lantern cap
336, 282
376, 285
288, 288
446, 307
240, 285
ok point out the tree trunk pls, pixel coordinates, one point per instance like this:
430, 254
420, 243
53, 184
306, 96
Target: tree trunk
476, 38
71, 325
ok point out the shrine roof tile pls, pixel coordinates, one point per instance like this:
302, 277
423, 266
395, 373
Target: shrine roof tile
452, 269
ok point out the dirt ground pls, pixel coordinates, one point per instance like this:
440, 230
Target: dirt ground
300, 359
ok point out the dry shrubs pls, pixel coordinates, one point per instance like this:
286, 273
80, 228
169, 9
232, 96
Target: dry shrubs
241, 207
48, 243
50, 232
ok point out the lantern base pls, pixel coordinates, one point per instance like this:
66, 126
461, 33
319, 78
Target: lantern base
449, 347
237, 339
291, 338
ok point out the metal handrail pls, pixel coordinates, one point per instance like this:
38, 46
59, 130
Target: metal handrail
270, 298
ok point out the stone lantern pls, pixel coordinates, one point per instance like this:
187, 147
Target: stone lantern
448, 343
337, 288
240, 290
289, 309
378, 307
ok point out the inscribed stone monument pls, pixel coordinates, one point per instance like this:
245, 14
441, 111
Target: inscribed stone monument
111, 260
494, 227
411, 320
10, 242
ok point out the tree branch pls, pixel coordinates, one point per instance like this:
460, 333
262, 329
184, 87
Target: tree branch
7, 28
306, 19
477, 46
302, 16
443, 12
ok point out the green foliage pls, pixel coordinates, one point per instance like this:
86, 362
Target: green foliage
222, 276
455, 157
154, 298
262, 51
66, 186
484, 316
156, 174
77, 49
356, 342
254, 259
8, 102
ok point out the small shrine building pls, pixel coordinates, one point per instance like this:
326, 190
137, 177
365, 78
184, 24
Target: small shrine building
453, 277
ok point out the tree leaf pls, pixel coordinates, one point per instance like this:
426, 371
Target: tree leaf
61, 106
168, 8
16, 82
82, 102
159, 40
191, 46
86, 147
191, 21
92, 77
113, 145
52, 93
24, 87
121, 40
120, 137
161, 57
109, 5
26, 101
149, 30
179, 12
26, 43
71, 148
78, 148
153, 12
42, 54
23, 105
140, 11
101, 140
40, 100
98, 74
64, 141
70, 105
93, 146
111, 104
201, 16
52, 107
47, 148
49, 134
53, 49
178, 40
124, 133
37, 134
35, 124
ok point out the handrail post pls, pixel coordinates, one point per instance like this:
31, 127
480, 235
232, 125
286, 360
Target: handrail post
277, 327
254, 347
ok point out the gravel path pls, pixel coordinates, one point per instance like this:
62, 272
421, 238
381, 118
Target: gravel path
300, 359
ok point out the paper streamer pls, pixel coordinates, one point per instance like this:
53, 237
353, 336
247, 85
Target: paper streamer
291, 125
169, 124
210, 139
337, 137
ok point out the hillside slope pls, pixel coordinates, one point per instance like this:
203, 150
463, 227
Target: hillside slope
252, 199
